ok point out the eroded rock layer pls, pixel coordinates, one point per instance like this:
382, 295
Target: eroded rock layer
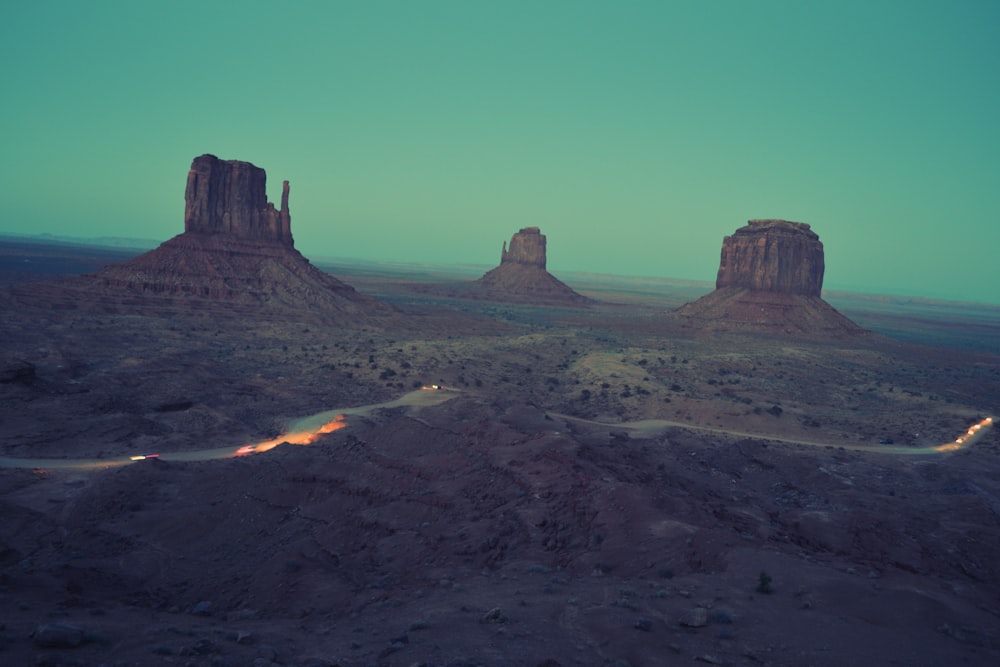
233, 271
526, 247
230, 197
774, 256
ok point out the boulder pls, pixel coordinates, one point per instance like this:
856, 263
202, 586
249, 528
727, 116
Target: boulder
57, 635
17, 371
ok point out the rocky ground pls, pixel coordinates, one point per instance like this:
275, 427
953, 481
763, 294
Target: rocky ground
491, 529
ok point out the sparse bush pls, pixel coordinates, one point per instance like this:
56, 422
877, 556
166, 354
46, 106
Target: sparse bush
721, 615
764, 583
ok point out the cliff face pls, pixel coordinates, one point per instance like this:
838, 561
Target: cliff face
773, 256
526, 247
230, 197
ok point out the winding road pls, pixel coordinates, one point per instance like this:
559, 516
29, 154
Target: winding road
300, 432
651, 427
308, 429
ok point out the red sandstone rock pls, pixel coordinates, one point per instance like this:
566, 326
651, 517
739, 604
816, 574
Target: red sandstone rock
230, 197
773, 255
521, 276
770, 279
235, 256
526, 247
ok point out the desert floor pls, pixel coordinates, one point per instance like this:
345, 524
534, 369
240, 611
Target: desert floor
594, 486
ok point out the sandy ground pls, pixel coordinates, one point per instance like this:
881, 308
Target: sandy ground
535, 518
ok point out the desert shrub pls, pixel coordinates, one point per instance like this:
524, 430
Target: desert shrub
721, 615
764, 583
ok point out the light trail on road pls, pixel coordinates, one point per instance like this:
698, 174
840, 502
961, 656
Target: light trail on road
657, 426
304, 431
308, 430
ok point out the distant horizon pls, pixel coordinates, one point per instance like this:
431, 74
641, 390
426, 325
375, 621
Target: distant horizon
145, 245
635, 134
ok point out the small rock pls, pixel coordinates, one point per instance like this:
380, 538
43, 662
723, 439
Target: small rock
244, 637
643, 623
57, 635
494, 615
696, 618
17, 371
710, 659
203, 608
201, 647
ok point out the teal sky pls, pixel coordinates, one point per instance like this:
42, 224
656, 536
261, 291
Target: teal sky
635, 134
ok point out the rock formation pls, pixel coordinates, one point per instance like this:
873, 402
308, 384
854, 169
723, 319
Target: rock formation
236, 254
773, 255
526, 247
230, 197
521, 276
770, 279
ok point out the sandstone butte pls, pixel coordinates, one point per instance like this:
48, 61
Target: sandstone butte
770, 279
522, 277
236, 255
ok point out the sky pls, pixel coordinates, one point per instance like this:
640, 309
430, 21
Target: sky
636, 135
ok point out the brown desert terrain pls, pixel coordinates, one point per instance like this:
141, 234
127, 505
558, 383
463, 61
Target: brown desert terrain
496, 483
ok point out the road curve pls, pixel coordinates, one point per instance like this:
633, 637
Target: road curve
300, 432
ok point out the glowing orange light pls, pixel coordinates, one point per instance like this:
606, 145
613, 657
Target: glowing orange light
334, 424
965, 438
245, 450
